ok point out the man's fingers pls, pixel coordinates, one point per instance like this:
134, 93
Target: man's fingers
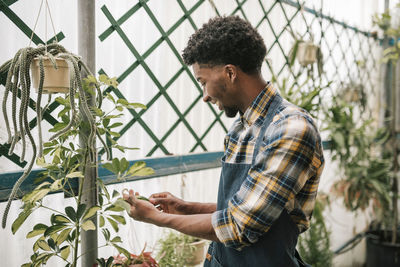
131, 199
159, 195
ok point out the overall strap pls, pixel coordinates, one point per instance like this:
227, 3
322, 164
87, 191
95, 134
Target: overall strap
276, 102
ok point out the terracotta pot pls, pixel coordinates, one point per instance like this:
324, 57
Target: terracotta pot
198, 253
307, 53
55, 80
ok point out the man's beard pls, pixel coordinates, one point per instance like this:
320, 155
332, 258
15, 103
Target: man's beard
231, 112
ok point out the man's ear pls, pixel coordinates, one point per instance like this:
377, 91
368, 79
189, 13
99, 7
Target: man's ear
231, 72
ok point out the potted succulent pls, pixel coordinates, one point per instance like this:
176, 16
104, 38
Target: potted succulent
62, 158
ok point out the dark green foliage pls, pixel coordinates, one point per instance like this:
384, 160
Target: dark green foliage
314, 244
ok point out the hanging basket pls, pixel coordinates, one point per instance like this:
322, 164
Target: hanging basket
307, 53
56, 80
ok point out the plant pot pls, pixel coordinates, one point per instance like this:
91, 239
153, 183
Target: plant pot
380, 252
198, 253
55, 80
307, 53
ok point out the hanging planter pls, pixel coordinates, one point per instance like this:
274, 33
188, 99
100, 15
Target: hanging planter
307, 53
56, 75
50, 73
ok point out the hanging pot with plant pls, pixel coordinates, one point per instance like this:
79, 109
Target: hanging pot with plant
307, 53
56, 75
18, 77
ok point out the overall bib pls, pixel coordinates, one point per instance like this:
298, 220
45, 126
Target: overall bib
276, 248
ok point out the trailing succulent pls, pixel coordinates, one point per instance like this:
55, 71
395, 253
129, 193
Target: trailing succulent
18, 77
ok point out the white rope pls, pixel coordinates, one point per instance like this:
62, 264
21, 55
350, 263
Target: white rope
47, 9
34, 27
51, 20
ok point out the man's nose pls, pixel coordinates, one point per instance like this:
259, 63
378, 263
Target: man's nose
206, 97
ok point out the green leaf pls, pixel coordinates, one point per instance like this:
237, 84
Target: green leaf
54, 229
88, 225
64, 252
106, 234
43, 245
90, 79
98, 111
114, 224
123, 204
51, 243
116, 124
115, 134
116, 239
103, 78
70, 213
61, 101
137, 105
81, 209
140, 169
57, 185
115, 194
123, 165
37, 230
40, 161
106, 121
123, 102
114, 208
122, 251
63, 236
119, 218
58, 127
36, 194
61, 219
116, 166
101, 221
75, 174
110, 97
20, 220
109, 167
109, 262
91, 212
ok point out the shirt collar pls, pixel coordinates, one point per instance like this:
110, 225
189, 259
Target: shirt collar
259, 106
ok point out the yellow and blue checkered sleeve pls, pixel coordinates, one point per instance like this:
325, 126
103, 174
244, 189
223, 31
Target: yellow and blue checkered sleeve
285, 163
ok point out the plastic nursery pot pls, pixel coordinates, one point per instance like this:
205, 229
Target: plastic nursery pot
307, 53
198, 253
55, 80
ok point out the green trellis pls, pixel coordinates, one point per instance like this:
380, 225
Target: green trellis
350, 46
349, 56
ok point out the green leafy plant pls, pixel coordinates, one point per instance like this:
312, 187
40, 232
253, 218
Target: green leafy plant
175, 249
65, 161
356, 145
314, 245
302, 95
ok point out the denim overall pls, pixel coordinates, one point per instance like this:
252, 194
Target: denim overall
277, 247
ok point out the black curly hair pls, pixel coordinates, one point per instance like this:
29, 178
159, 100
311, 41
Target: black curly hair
226, 40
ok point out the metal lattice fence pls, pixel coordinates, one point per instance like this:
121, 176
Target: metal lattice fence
349, 55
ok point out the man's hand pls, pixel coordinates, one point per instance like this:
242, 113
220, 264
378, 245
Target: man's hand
141, 210
169, 203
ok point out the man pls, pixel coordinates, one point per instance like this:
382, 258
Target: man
272, 163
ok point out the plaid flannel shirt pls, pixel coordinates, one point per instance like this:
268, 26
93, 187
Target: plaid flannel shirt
285, 174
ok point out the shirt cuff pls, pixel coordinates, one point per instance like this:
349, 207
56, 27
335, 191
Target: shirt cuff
225, 229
